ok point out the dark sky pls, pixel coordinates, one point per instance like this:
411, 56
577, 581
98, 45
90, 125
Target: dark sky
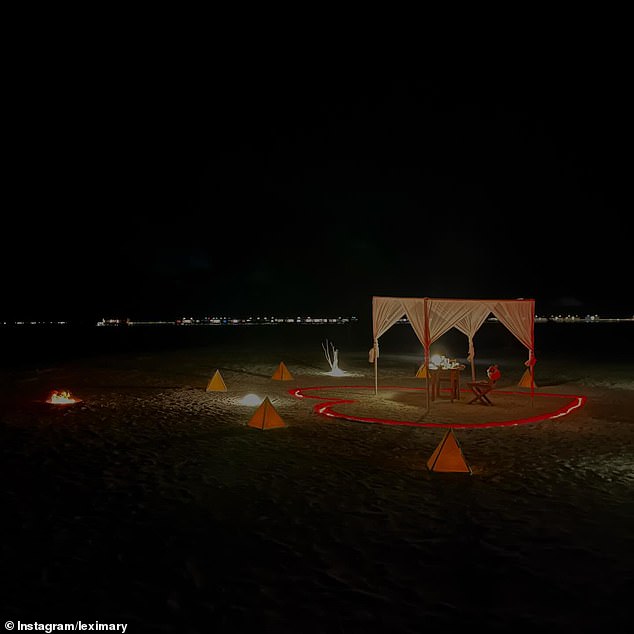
160, 186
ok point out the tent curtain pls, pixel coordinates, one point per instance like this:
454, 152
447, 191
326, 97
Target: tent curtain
469, 325
386, 311
432, 318
416, 314
518, 317
445, 314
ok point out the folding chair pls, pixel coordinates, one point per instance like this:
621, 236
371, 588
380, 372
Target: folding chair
481, 389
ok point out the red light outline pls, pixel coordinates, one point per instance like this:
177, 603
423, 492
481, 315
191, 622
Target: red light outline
326, 408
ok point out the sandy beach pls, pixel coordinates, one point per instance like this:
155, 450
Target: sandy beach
153, 503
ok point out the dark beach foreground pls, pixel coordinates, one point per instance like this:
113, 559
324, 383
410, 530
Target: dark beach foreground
152, 503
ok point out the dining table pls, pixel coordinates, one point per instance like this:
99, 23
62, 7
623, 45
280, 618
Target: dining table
446, 376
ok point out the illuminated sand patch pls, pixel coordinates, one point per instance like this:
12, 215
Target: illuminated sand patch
398, 405
251, 400
341, 373
336, 372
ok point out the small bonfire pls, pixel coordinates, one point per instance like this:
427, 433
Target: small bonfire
62, 397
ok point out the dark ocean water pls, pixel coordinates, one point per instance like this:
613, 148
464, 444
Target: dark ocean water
24, 347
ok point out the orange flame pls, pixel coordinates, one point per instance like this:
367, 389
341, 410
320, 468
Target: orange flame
62, 397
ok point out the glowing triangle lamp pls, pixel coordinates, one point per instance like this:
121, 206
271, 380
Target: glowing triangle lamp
266, 417
282, 373
525, 381
216, 383
448, 457
422, 372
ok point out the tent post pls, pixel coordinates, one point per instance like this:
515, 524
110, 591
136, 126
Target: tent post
376, 376
472, 358
376, 367
531, 353
427, 348
427, 382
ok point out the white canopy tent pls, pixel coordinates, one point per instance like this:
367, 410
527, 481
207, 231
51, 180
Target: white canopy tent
431, 318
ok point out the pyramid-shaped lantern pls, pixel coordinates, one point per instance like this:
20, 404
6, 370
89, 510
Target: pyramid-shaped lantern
216, 383
525, 381
266, 417
282, 373
448, 457
422, 372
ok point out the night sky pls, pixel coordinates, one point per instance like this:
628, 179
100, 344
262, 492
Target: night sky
157, 188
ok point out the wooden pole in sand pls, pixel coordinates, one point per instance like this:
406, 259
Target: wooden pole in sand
472, 355
427, 381
376, 367
427, 348
531, 353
